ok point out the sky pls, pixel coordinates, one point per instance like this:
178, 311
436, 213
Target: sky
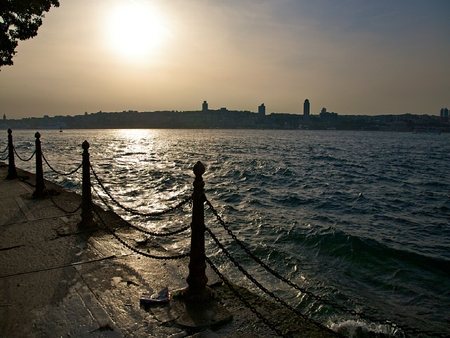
354, 57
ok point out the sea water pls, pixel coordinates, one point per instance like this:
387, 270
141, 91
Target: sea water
359, 219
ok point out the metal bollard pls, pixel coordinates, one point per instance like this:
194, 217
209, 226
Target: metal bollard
40, 189
87, 215
197, 279
12, 172
199, 303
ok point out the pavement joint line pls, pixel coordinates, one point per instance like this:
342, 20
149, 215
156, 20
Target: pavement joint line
25, 186
24, 209
95, 309
64, 266
11, 247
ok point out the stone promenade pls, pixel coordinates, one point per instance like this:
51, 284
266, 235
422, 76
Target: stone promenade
59, 281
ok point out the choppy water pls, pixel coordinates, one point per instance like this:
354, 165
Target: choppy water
359, 218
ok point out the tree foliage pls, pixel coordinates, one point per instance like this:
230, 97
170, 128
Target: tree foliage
20, 20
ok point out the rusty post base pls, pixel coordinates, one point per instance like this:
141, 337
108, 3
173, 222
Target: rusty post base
199, 310
12, 174
88, 225
203, 295
40, 193
87, 219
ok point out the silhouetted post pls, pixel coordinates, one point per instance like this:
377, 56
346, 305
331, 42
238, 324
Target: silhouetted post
197, 278
87, 215
12, 173
201, 306
40, 190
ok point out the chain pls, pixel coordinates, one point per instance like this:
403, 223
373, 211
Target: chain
4, 151
243, 300
158, 234
20, 158
61, 208
135, 212
151, 233
112, 232
362, 315
61, 173
4, 159
264, 289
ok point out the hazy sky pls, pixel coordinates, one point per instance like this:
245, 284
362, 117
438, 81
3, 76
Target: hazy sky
352, 57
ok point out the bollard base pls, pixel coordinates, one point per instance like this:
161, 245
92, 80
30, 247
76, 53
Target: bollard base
12, 175
200, 310
40, 193
89, 225
87, 217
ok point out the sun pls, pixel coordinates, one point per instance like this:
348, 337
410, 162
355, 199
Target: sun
136, 30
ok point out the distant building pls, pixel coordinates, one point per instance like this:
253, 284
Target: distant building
444, 115
306, 108
262, 110
327, 115
205, 106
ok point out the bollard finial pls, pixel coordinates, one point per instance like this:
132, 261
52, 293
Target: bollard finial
85, 145
9, 131
199, 169
37, 135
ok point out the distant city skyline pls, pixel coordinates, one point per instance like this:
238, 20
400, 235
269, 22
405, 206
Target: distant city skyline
261, 110
357, 57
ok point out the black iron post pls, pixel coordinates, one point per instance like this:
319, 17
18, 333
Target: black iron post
40, 189
12, 172
197, 278
87, 215
201, 306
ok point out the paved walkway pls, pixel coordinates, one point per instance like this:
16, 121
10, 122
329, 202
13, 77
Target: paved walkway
58, 281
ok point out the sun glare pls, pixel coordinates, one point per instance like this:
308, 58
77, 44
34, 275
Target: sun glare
136, 30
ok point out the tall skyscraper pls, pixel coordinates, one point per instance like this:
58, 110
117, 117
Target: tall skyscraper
306, 108
444, 115
262, 110
205, 106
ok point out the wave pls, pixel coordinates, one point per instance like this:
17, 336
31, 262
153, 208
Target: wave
364, 251
360, 329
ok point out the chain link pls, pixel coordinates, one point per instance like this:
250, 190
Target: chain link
362, 315
142, 253
61, 173
20, 158
135, 212
4, 151
4, 159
